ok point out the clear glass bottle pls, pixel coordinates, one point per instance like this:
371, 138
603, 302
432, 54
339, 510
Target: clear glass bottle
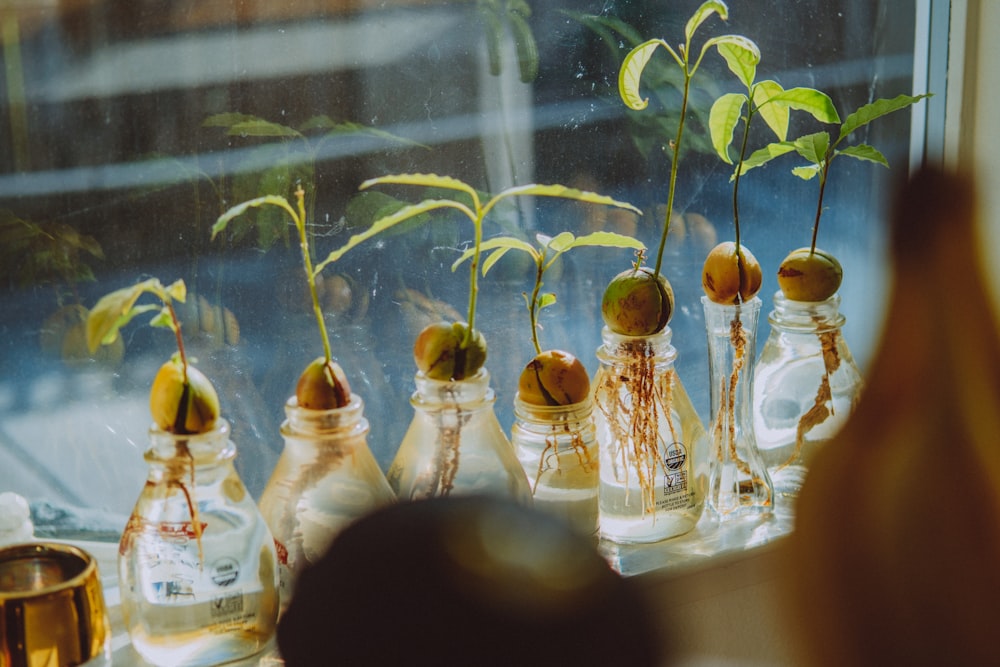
557, 447
806, 385
326, 478
455, 444
652, 443
196, 565
739, 484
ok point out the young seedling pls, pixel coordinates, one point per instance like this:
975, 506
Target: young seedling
323, 384
639, 301
455, 351
811, 274
182, 400
446, 351
736, 47
731, 273
553, 377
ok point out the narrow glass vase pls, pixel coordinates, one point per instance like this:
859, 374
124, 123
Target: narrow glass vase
455, 445
652, 444
196, 566
326, 478
557, 447
806, 385
739, 484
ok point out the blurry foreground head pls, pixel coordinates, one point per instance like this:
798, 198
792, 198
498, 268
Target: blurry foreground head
895, 558
464, 581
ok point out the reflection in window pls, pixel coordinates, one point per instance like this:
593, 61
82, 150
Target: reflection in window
132, 127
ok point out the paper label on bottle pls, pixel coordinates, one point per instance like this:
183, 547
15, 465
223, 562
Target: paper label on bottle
675, 480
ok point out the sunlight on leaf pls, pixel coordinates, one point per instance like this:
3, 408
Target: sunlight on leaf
775, 115
239, 209
631, 72
722, 120
502, 244
813, 147
806, 173
702, 14
114, 311
815, 103
876, 109
545, 300
382, 224
428, 180
764, 155
865, 152
742, 61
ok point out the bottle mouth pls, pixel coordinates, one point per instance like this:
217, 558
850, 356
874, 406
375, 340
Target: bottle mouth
548, 414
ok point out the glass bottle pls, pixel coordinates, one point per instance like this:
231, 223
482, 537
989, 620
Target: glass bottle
326, 478
196, 562
738, 480
455, 444
557, 447
806, 385
652, 443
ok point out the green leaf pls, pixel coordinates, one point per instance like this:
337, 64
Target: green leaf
741, 61
240, 209
876, 109
503, 243
388, 221
702, 14
565, 193
114, 310
428, 180
807, 172
177, 291
737, 43
865, 152
545, 300
764, 155
261, 128
815, 103
722, 120
161, 319
631, 73
559, 243
493, 28
525, 46
775, 115
813, 147
606, 240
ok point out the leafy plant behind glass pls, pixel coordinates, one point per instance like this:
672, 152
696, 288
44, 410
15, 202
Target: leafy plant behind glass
285, 166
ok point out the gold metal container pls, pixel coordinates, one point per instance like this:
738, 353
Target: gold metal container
52, 609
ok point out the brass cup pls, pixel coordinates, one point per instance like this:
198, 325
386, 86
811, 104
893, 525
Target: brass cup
52, 609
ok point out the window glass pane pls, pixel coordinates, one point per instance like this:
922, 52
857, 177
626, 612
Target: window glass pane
131, 125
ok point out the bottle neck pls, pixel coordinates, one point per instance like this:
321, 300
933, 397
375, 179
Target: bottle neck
470, 393
543, 417
806, 316
202, 449
346, 419
618, 348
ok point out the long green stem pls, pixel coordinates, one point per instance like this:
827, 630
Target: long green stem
180, 340
474, 276
300, 225
673, 168
533, 305
736, 179
819, 204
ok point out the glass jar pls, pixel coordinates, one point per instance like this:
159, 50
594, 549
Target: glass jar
805, 387
557, 447
325, 479
738, 480
196, 565
455, 444
652, 443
